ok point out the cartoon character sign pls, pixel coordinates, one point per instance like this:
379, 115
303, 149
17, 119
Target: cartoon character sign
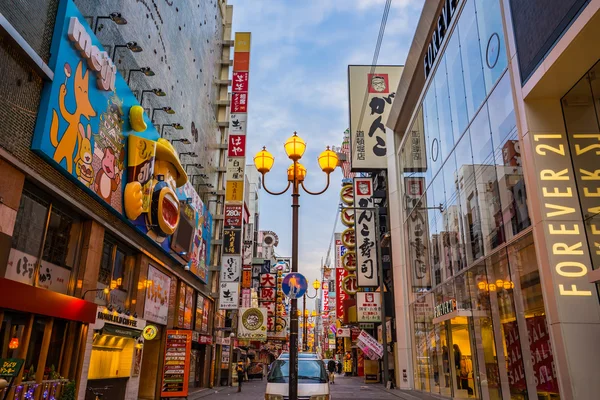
91, 127
168, 175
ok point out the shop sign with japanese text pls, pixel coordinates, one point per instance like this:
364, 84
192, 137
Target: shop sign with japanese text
231, 269
229, 295
234, 191
368, 307
367, 119
366, 235
232, 239
237, 123
235, 169
236, 146
232, 216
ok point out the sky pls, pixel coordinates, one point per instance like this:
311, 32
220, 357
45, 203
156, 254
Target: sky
300, 52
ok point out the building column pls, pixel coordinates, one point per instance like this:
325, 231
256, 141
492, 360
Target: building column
403, 367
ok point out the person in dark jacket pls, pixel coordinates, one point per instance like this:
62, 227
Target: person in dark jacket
240, 373
331, 369
339, 367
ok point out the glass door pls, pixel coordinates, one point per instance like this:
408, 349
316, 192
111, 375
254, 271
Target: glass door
442, 360
462, 358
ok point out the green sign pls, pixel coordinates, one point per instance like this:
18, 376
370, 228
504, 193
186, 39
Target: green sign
367, 325
115, 330
10, 367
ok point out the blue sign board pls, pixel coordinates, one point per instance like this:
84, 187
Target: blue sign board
294, 285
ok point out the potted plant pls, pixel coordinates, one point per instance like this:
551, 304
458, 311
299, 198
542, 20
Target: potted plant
68, 392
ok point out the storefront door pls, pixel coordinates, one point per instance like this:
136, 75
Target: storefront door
463, 361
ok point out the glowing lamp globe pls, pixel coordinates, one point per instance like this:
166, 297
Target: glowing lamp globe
295, 147
263, 160
317, 284
328, 160
314, 313
14, 343
300, 172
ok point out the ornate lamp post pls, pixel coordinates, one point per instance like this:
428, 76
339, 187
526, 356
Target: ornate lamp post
328, 160
317, 285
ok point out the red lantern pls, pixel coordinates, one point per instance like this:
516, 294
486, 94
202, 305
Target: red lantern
14, 343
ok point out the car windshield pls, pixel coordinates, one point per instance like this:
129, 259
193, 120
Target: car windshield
309, 371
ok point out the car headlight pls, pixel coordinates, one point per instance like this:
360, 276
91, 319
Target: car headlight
320, 397
273, 397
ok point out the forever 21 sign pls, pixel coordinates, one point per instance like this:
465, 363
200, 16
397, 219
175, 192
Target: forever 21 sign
439, 32
233, 216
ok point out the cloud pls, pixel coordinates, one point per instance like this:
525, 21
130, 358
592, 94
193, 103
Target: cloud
298, 82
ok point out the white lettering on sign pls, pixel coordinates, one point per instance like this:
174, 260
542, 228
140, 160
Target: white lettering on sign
97, 60
444, 308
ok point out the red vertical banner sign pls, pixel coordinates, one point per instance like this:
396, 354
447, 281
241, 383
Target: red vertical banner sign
229, 297
176, 364
340, 295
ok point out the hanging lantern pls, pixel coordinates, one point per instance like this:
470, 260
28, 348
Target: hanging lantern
14, 343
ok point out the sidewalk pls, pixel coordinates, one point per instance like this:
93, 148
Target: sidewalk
204, 392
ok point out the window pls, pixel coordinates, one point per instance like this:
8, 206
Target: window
491, 40
309, 371
471, 58
116, 267
443, 106
456, 85
43, 228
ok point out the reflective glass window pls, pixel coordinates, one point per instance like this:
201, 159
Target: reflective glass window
488, 196
456, 86
471, 58
507, 154
443, 107
469, 218
432, 134
491, 40
524, 267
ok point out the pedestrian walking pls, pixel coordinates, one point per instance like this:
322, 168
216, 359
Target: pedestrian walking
240, 374
331, 368
339, 367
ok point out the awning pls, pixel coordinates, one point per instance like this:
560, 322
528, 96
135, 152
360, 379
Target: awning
242, 352
21, 297
115, 330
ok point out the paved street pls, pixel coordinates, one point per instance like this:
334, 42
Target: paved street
344, 388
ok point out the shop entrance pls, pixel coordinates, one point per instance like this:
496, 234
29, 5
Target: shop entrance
452, 356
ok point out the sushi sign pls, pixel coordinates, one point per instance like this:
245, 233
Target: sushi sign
97, 60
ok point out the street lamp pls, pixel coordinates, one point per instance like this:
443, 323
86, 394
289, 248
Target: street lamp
177, 126
115, 17
144, 70
159, 92
317, 285
132, 46
294, 148
168, 110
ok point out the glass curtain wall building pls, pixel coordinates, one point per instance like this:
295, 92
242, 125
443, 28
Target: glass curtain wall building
478, 325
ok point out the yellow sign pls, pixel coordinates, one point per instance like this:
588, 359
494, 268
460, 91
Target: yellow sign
149, 332
242, 42
234, 191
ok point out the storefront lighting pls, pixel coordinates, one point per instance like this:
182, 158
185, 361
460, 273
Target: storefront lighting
492, 287
147, 71
158, 92
482, 285
189, 153
14, 343
132, 46
182, 140
168, 110
113, 284
119, 281
116, 17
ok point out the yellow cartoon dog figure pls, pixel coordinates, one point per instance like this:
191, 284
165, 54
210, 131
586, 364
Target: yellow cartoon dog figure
83, 167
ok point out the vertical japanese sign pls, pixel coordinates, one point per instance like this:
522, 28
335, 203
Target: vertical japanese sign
368, 307
371, 91
325, 286
178, 348
234, 186
418, 244
366, 236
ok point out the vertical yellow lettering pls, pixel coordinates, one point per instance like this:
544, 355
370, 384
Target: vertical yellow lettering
590, 176
587, 192
565, 249
551, 175
573, 291
537, 137
582, 269
595, 230
557, 193
562, 210
563, 230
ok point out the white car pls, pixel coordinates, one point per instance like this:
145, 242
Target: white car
313, 381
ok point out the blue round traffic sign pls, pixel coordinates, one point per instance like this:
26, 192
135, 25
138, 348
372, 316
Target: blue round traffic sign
294, 285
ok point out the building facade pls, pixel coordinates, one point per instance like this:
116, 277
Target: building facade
93, 288
492, 201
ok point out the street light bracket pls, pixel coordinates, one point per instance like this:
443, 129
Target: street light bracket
274, 193
313, 193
